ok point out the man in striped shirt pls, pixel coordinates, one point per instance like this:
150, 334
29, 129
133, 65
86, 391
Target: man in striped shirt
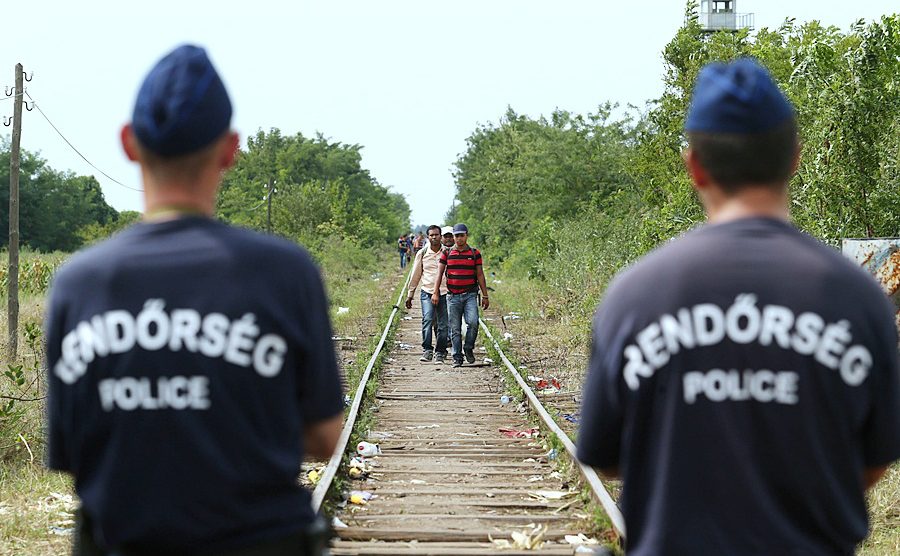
465, 276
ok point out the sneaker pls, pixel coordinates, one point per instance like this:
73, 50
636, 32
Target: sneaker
457, 363
439, 358
426, 356
470, 355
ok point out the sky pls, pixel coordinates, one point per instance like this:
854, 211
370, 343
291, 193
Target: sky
407, 80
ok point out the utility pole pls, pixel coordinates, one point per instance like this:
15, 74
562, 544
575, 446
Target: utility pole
269, 209
13, 274
271, 192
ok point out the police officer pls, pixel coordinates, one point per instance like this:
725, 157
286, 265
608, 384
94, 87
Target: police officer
743, 379
190, 363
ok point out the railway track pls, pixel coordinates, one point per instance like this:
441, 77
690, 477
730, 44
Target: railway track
459, 471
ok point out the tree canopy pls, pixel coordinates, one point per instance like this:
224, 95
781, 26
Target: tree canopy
321, 192
53, 206
571, 198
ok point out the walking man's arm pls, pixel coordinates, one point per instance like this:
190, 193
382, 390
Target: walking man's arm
482, 283
436, 296
414, 279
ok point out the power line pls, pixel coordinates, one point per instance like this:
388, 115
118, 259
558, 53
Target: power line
11, 97
114, 180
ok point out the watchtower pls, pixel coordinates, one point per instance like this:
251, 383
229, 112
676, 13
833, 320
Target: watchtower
721, 15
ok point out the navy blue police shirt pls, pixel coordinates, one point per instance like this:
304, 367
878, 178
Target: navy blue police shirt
185, 359
741, 379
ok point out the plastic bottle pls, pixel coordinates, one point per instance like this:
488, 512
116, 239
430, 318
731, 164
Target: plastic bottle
504, 399
367, 449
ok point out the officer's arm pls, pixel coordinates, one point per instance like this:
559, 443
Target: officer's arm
321, 438
872, 475
609, 472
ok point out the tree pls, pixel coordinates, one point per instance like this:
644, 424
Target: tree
53, 205
322, 192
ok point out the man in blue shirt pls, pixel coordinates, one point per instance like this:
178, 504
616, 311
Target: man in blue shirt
743, 378
191, 366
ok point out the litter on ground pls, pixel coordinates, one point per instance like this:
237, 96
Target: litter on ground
315, 474
361, 497
580, 538
532, 538
550, 494
513, 433
552, 384
367, 449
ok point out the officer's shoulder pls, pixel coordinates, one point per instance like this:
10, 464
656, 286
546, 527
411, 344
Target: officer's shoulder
87, 264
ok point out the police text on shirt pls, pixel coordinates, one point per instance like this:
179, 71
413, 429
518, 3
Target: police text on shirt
214, 335
706, 324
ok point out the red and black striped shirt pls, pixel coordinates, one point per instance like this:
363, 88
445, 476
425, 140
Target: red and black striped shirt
462, 276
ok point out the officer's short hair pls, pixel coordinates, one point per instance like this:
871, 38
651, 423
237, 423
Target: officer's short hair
736, 160
184, 167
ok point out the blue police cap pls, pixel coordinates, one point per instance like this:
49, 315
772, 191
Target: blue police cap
182, 106
739, 97
460, 229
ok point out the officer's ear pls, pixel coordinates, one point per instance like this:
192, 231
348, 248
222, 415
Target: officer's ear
129, 143
228, 154
698, 174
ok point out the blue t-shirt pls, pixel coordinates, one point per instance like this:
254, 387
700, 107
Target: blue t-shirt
185, 358
741, 379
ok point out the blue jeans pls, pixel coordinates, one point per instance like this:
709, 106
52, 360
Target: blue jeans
430, 314
463, 305
402, 259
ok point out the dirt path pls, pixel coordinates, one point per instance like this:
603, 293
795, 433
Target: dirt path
447, 478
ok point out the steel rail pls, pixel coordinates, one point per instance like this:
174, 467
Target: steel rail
589, 474
334, 463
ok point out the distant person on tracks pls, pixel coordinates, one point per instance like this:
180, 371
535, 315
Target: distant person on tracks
403, 249
743, 379
419, 243
191, 366
462, 265
426, 268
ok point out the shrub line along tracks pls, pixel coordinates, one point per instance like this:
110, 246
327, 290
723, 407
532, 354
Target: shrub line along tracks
449, 480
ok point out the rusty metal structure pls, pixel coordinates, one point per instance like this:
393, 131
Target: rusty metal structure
881, 258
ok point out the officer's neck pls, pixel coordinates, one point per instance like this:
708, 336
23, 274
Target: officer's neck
750, 202
166, 201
